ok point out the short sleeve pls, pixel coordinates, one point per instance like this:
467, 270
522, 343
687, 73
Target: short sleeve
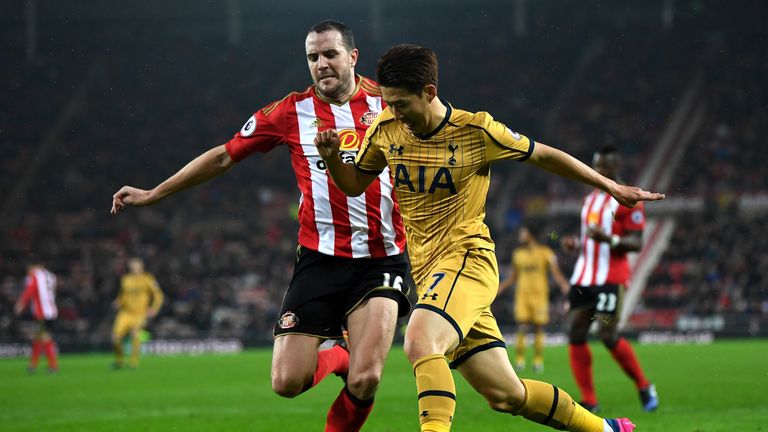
370, 159
632, 219
261, 133
549, 254
503, 143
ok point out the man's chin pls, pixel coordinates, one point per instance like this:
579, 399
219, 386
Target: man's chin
331, 92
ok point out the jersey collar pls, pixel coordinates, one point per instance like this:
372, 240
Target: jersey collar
448, 111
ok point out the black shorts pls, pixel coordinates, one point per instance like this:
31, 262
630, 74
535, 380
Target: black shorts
325, 289
603, 299
46, 326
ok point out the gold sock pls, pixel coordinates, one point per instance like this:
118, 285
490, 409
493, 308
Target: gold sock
548, 405
437, 393
520, 349
119, 352
538, 348
135, 349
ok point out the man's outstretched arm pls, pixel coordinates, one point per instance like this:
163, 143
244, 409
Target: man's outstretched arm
203, 168
349, 179
563, 164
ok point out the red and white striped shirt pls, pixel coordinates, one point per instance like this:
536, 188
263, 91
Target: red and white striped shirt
598, 264
330, 222
40, 292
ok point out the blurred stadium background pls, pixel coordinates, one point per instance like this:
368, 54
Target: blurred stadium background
100, 94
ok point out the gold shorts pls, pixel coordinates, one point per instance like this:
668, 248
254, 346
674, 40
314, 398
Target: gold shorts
531, 309
125, 323
461, 288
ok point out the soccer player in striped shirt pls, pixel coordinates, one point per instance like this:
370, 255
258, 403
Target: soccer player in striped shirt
351, 263
609, 231
441, 162
40, 294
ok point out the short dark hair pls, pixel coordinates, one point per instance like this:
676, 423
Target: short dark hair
407, 66
532, 230
347, 38
609, 149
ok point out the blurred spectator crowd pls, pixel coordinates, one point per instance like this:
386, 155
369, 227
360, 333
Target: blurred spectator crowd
223, 252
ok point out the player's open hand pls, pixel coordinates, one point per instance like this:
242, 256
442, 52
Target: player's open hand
130, 196
629, 196
327, 143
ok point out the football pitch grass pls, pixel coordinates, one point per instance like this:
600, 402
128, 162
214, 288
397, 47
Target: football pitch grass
703, 388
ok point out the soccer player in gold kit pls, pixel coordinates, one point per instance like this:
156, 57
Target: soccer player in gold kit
139, 299
440, 160
531, 263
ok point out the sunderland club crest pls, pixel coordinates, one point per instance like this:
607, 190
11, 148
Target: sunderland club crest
368, 118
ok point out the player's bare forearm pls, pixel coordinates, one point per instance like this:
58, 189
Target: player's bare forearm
503, 286
558, 276
208, 165
508, 282
349, 179
631, 242
565, 165
561, 282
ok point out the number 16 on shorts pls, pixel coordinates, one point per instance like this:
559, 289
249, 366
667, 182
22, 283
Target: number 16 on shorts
396, 282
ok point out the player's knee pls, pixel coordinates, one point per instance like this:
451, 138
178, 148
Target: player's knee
364, 383
507, 399
577, 336
287, 387
416, 348
609, 340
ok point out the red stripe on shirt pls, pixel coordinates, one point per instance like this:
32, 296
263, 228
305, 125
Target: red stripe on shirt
359, 106
596, 249
339, 207
308, 235
585, 226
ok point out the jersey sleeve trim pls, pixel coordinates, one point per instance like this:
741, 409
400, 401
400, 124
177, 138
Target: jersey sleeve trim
365, 171
531, 145
234, 156
526, 154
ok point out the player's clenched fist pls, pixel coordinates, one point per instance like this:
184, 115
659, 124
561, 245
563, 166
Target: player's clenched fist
130, 196
327, 143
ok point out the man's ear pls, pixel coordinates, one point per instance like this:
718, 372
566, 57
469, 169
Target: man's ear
431, 91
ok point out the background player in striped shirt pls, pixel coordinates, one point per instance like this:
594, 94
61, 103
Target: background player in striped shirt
441, 160
351, 265
40, 293
139, 299
531, 264
608, 232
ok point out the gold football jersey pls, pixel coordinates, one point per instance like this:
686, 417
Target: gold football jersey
531, 266
441, 178
138, 292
